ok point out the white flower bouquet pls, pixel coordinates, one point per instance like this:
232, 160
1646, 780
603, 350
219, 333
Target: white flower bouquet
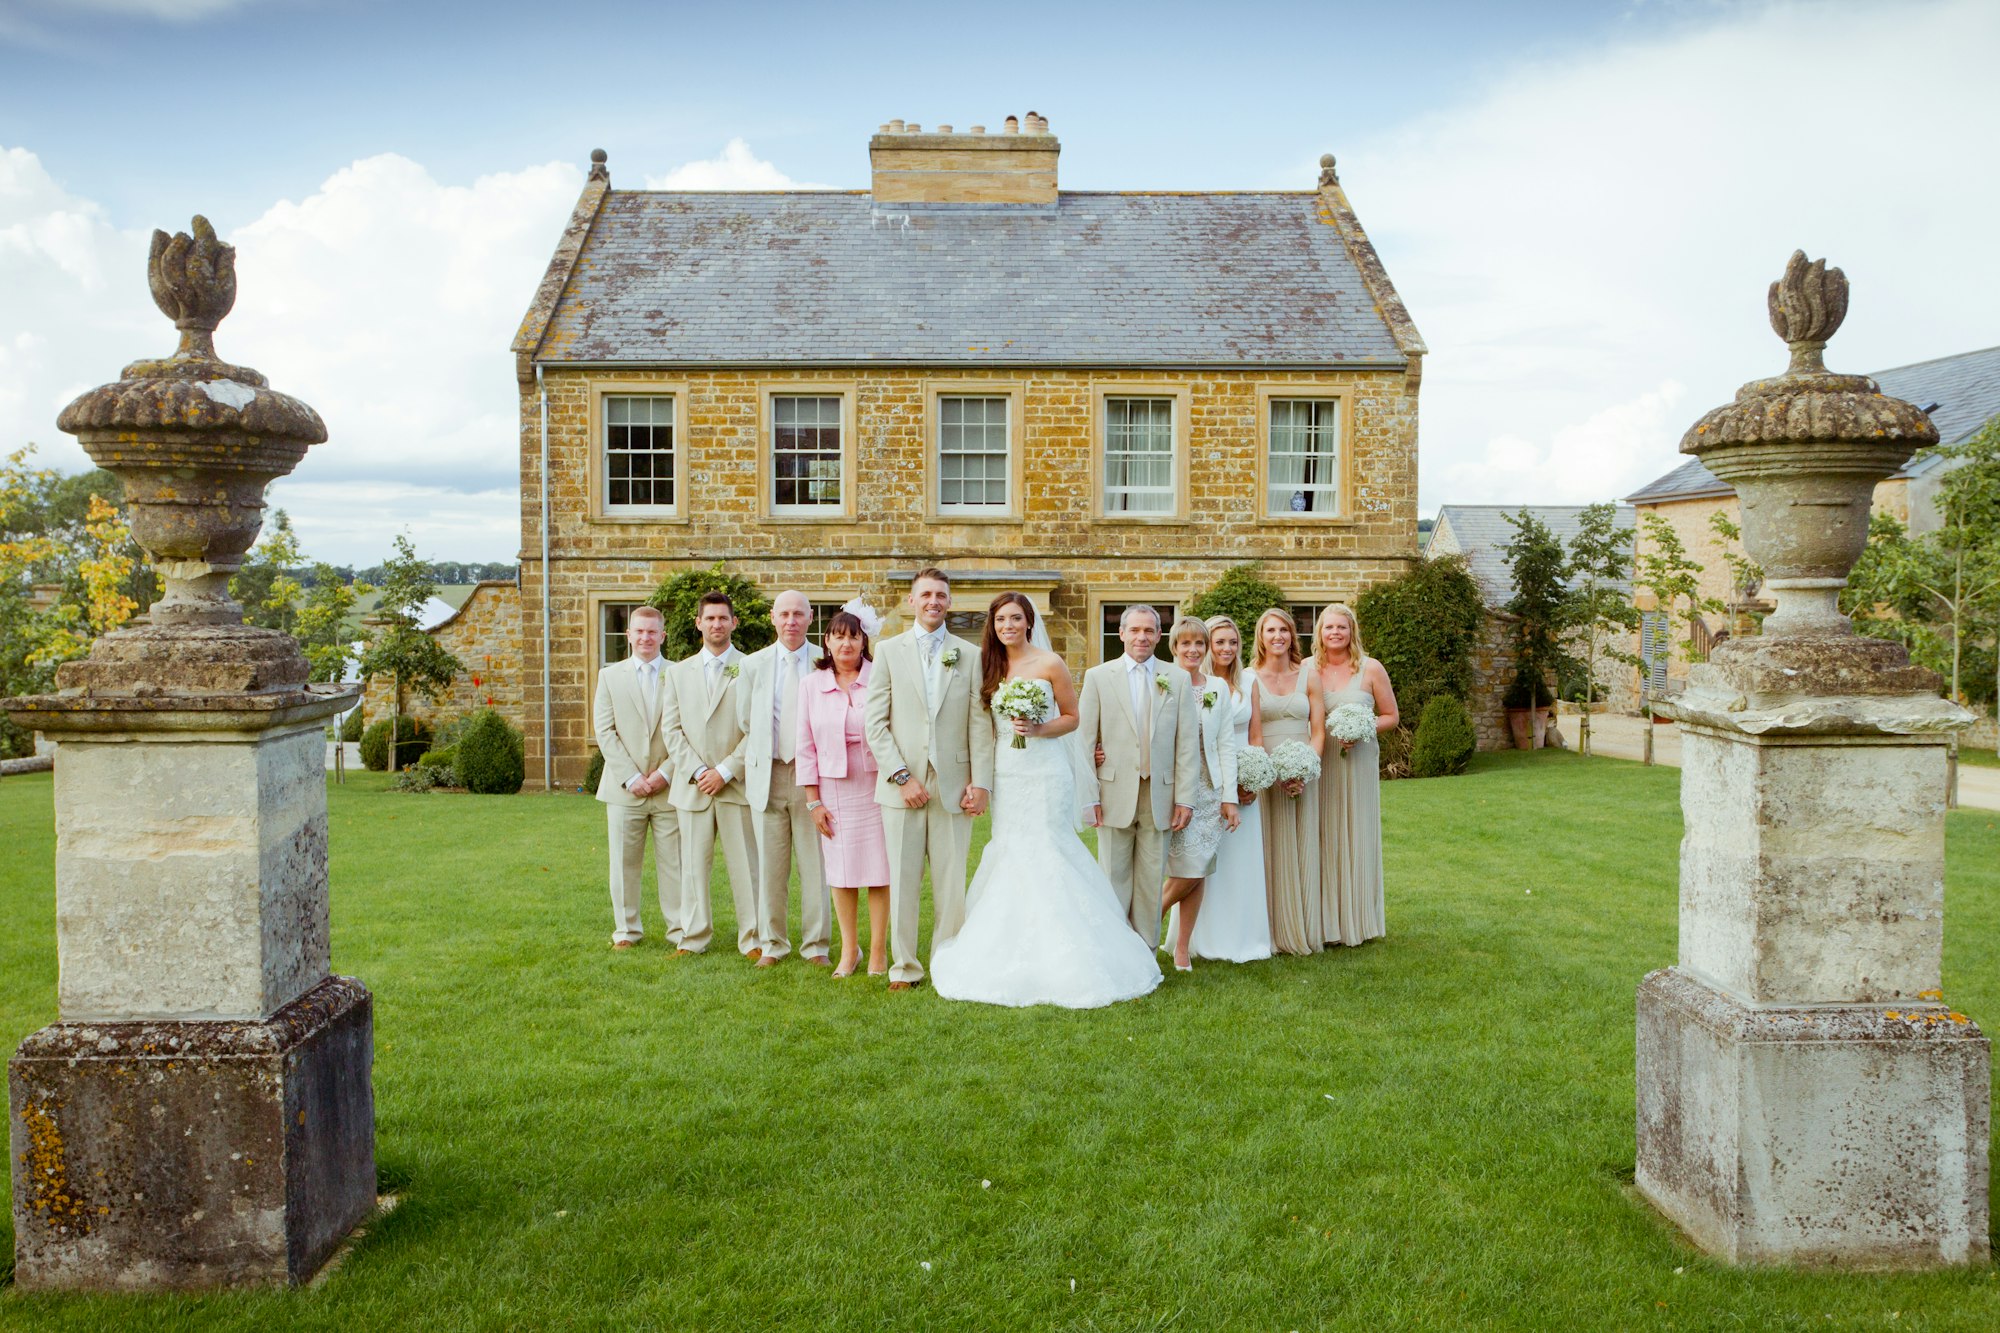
1295, 762
1021, 700
1350, 723
1254, 769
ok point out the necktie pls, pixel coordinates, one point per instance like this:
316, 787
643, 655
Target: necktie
649, 672
1146, 734
788, 694
931, 666
714, 677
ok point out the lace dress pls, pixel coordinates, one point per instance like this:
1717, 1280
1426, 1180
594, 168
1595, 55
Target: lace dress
1042, 923
1191, 852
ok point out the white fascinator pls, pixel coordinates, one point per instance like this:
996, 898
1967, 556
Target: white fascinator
870, 618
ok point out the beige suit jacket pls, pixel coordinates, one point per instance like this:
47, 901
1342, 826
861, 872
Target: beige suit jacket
907, 729
754, 705
1104, 717
628, 731
703, 732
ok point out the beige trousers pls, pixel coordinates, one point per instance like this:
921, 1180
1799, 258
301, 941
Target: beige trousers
628, 826
785, 832
943, 834
1134, 860
730, 821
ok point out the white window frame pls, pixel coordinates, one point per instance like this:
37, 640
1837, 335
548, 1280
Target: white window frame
1339, 486
1102, 396
1005, 454
598, 470
845, 477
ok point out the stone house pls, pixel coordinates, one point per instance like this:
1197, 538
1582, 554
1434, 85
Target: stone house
1095, 398
1480, 533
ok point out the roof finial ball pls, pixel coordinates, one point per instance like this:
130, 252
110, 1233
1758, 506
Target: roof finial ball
1326, 173
599, 171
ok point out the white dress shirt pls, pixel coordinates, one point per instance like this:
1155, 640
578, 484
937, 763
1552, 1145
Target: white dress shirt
712, 665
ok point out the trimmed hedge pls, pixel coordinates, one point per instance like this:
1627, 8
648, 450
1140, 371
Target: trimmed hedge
413, 739
490, 756
1422, 627
350, 726
1445, 739
596, 773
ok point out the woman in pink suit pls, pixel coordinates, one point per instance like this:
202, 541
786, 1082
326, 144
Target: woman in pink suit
837, 771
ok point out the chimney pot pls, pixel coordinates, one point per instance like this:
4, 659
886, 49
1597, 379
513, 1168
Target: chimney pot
978, 129
1013, 125
916, 128
944, 129
895, 127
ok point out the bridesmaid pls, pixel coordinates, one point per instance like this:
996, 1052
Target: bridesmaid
1235, 921
1291, 708
1350, 798
837, 771
1192, 852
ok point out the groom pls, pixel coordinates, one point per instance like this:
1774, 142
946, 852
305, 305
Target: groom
934, 745
706, 743
1142, 712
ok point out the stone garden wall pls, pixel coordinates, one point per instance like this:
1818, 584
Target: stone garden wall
485, 635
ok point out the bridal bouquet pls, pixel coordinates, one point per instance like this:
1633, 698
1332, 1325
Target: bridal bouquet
1295, 762
1020, 700
1254, 769
1350, 723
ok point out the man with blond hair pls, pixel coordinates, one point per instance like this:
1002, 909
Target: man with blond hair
634, 787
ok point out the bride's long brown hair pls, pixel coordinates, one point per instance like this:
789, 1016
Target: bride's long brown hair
992, 652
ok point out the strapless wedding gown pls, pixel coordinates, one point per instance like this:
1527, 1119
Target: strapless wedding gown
1042, 923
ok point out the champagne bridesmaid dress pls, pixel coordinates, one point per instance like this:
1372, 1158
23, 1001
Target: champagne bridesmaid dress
1350, 826
1291, 828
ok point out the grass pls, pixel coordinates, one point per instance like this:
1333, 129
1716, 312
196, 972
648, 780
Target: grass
1978, 758
1434, 1131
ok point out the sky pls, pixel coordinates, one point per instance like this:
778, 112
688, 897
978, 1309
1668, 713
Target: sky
1580, 203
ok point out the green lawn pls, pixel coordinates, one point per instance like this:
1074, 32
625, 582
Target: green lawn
1978, 758
1434, 1131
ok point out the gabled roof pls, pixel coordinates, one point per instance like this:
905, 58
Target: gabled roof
1965, 387
827, 277
1480, 532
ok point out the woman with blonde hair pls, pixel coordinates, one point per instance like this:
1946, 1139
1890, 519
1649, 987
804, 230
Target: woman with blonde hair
1191, 853
1290, 708
1350, 797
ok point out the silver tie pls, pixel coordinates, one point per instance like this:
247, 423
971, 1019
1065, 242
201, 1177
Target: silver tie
788, 695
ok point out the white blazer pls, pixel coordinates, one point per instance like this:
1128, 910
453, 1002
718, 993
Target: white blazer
1218, 735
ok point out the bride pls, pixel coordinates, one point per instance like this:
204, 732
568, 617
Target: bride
1042, 925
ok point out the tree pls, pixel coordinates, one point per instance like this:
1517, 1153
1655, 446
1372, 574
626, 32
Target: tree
1600, 570
1242, 594
400, 648
1745, 574
1421, 626
1667, 571
679, 597
1540, 605
270, 596
321, 625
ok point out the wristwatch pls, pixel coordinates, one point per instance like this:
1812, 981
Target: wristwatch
900, 776
813, 805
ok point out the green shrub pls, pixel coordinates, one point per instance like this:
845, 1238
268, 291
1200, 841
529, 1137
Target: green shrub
424, 777
1422, 627
1445, 739
439, 757
1241, 595
350, 726
490, 756
595, 774
413, 738
679, 598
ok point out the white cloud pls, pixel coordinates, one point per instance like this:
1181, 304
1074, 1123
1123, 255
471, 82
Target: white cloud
735, 168
1591, 234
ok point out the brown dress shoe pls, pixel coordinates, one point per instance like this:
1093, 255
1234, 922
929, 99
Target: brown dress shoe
684, 953
821, 961
902, 985
621, 945
767, 962
755, 955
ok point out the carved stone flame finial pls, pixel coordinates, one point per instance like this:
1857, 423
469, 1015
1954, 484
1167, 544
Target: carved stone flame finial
194, 284
1807, 306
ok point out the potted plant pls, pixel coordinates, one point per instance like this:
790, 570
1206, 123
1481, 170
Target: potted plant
1521, 701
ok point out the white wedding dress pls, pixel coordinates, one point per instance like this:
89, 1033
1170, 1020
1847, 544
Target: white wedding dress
1042, 924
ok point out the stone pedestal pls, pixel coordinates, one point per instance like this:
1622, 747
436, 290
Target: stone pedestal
178, 1155
1804, 1094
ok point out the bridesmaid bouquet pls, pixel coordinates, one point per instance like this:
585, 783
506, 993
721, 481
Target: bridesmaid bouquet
1020, 700
1350, 723
1254, 769
1295, 762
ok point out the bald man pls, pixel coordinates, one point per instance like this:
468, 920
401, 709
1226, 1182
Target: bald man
785, 832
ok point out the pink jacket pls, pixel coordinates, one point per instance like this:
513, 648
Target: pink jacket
822, 714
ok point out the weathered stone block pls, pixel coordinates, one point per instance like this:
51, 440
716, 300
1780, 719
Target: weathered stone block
190, 872
151, 1155
1776, 911
1834, 1134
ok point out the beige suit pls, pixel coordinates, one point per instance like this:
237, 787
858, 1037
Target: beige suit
627, 723
1145, 774
785, 831
703, 730
932, 724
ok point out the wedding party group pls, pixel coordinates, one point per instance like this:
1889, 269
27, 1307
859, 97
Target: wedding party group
1235, 802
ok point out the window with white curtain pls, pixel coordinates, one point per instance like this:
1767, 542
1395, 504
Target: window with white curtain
1139, 456
1302, 470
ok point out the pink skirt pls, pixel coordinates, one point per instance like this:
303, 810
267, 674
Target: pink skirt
857, 855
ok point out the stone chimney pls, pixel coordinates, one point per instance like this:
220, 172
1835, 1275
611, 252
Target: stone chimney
1017, 166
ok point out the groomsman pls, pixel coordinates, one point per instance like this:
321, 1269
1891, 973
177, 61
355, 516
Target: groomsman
934, 745
705, 742
1142, 711
768, 695
634, 786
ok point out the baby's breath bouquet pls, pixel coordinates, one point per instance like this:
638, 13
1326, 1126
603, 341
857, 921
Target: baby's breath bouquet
1295, 761
1254, 769
1350, 723
1021, 700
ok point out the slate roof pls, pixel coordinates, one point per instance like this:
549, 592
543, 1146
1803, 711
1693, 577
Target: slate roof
803, 277
1965, 387
1480, 532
